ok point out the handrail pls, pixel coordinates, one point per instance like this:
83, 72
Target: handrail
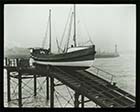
98, 69
102, 70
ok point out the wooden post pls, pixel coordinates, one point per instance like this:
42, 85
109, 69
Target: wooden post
8, 86
52, 92
35, 85
76, 102
47, 88
6, 62
20, 90
18, 60
82, 101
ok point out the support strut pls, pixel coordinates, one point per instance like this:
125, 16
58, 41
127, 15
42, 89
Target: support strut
47, 88
76, 102
19, 90
82, 101
8, 86
35, 85
52, 92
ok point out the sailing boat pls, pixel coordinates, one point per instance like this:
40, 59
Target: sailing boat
74, 56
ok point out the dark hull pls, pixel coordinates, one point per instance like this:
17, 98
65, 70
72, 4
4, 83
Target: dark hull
80, 55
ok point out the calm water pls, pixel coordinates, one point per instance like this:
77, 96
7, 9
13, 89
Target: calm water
122, 67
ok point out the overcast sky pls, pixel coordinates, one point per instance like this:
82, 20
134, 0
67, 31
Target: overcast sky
107, 25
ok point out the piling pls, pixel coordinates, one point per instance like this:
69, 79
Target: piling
35, 85
52, 92
47, 88
20, 90
76, 102
8, 86
82, 101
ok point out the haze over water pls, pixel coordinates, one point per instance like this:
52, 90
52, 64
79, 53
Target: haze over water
106, 25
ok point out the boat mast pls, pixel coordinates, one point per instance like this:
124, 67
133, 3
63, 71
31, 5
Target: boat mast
50, 29
74, 37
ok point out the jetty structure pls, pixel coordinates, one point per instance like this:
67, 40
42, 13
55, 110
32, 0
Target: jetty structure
114, 54
87, 86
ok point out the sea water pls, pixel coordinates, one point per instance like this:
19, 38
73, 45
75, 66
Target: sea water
123, 68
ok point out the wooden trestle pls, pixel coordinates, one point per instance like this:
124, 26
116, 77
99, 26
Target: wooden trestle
84, 83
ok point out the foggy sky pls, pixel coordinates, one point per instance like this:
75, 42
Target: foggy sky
107, 25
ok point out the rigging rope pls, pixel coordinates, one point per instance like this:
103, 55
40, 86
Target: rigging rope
57, 42
85, 27
69, 33
65, 27
88, 33
58, 46
44, 40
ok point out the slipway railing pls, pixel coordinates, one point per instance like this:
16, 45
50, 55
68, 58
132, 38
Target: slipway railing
102, 73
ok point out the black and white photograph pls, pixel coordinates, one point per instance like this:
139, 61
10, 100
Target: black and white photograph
69, 55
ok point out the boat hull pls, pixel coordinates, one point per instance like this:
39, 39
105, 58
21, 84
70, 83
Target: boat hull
80, 58
81, 64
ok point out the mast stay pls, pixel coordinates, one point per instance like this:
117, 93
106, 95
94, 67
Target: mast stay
50, 30
69, 33
74, 36
48, 25
44, 40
